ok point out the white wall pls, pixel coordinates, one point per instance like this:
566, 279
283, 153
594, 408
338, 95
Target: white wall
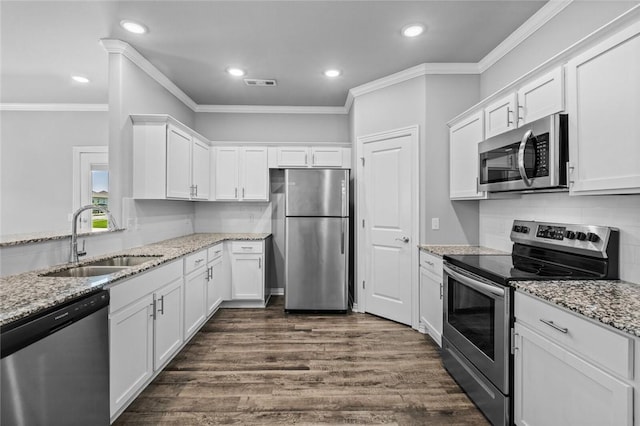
428, 101
575, 22
36, 170
273, 127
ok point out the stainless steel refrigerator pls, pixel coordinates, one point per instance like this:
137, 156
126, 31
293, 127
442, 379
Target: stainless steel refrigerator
316, 239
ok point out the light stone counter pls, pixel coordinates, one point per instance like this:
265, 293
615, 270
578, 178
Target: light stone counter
615, 303
457, 249
28, 293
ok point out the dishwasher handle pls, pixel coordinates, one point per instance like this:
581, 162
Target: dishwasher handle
20, 334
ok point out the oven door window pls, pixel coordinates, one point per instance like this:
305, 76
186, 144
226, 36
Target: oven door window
473, 315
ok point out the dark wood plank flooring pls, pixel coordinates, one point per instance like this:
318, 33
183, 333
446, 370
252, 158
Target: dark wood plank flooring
254, 366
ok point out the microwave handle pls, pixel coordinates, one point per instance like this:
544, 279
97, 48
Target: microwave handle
521, 149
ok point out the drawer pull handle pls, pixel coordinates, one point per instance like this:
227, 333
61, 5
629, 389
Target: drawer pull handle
429, 263
246, 248
199, 261
557, 327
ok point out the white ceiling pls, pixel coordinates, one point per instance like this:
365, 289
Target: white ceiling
192, 42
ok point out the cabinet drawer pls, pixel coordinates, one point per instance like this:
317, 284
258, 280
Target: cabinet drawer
214, 252
587, 339
246, 247
195, 261
140, 285
432, 264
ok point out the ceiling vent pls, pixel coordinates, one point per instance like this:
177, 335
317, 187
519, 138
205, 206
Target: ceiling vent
259, 82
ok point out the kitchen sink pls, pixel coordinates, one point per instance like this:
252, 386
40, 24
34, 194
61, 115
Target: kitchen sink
122, 261
86, 271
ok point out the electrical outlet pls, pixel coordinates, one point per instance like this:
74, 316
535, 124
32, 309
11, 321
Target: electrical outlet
435, 223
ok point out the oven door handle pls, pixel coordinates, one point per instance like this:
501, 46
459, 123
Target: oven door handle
475, 284
521, 149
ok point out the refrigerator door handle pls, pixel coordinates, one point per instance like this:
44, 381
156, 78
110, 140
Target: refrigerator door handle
344, 196
342, 237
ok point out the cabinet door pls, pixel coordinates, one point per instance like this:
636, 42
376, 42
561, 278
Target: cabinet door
463, 158
326, 157
603, 89
178, 163
255, 174
168, 332
541, 97
195, 301
247, 278
555, 387
431, 304
500, 116
293, 157
130, 351
215, 285
227, 160
200, 170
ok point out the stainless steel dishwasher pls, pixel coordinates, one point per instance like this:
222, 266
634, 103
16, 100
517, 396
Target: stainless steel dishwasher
55, 366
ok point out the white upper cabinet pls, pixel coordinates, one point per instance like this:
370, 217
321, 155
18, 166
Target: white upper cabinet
170, 160
500, 115
541, 97
603, 103
464, 137
536, 99
304, 156
241, 174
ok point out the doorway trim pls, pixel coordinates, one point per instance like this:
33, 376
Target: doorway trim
361, 255
78, 152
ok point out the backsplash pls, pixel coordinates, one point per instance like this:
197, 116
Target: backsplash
620, 211
233, 217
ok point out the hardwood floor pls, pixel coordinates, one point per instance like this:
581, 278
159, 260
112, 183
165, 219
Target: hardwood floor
254, 366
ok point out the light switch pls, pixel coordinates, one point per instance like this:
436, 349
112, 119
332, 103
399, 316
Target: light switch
435, 223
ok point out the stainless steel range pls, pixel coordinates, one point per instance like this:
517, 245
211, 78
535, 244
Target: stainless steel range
478, 301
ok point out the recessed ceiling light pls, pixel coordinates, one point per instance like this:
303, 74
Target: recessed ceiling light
413, 30
133, 27
332, 73
236, 72
80, 79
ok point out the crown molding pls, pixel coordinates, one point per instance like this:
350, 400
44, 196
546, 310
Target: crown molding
408, 74
271, 109
125, 49
55, 107
530, 26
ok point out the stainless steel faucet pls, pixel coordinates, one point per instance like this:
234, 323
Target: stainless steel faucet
111, 223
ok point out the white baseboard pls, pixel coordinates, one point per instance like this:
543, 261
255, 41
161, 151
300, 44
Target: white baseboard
277, 291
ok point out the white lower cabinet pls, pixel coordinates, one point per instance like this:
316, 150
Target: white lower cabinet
195, 292
218, 283
556, 383
145, 330
431, 296
247, 270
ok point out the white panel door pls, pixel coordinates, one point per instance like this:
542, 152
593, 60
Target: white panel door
293, 156
555, 387
247, 277
541, 97
255, 174
603, 103
195, 289
200, 170
464, 137
388, 227
227, 161
178, 163
168, 331
500, 116
326, 157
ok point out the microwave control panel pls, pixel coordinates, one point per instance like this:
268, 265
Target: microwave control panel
542, 155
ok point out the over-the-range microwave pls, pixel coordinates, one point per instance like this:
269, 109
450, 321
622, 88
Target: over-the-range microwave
531, 157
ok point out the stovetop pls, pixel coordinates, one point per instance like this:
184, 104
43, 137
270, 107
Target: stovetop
503, 268
549, 251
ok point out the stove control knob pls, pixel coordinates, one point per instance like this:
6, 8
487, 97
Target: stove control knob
517, 228
594, 238
570, 235
581, 236
524, 229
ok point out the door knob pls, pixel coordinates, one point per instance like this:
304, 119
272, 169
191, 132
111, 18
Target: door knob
403, 239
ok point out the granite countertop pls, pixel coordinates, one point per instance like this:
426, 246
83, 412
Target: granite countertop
27, 293
457, 249
615, 303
